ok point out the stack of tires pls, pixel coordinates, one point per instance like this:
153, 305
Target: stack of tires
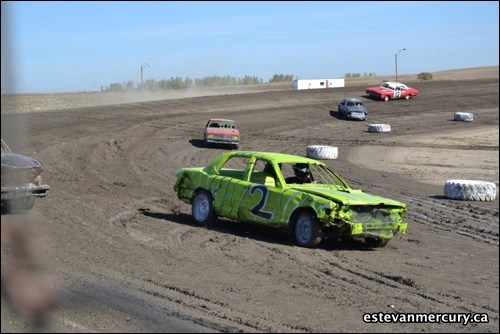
463, 116
322, 152
470, 190
379, 128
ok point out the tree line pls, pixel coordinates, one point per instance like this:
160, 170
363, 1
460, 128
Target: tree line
183, 83
358, 75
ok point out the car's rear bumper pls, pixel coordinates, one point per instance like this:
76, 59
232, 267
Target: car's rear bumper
11, 193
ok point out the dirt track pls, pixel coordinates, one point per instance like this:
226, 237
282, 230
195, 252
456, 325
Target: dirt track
127, 258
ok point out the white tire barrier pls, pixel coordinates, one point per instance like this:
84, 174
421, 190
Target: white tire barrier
379, 128
463, 116
470, 190
322, 152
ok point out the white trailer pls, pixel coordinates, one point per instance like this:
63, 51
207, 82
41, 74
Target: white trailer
317, 83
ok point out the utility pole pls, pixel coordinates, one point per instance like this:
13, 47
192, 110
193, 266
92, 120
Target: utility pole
396, 59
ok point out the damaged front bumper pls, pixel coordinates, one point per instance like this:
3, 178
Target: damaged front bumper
380, 222
31, 190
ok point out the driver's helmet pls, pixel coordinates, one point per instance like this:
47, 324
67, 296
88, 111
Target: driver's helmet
302, 171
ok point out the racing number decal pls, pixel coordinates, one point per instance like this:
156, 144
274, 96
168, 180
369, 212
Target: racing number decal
397, 94
257, 209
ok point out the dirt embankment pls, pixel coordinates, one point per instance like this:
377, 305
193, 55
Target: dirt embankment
44, 102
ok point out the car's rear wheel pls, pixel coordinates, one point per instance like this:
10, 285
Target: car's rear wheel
376, 242
408, 97
203, 208
307, 231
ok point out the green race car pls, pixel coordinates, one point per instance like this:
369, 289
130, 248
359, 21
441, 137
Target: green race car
298, 194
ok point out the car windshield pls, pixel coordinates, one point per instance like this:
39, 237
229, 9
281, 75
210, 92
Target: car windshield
313, 173
323, 175
222, 124
229, 125
351, 104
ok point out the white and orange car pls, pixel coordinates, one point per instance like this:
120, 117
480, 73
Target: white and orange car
392, 91
221, 131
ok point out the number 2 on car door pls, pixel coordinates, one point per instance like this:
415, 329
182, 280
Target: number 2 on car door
257, 209
265, 207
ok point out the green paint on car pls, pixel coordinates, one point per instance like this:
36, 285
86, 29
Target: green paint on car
259, 187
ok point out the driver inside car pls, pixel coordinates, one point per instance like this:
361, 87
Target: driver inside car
302, 174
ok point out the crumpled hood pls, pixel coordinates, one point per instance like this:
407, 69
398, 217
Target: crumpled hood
349, 197
380, 89
14, 160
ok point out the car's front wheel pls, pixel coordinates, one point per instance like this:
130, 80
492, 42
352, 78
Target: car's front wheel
386, 98
203, 208
27, 203
21, 204
307, 230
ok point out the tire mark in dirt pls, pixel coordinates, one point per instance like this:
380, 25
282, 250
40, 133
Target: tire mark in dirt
235, 320
360, 276
172, 235
479, 223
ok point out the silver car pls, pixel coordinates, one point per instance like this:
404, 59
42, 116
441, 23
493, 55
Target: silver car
351, 108
21, 181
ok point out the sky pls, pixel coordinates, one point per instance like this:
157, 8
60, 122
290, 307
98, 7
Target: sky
74, 46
